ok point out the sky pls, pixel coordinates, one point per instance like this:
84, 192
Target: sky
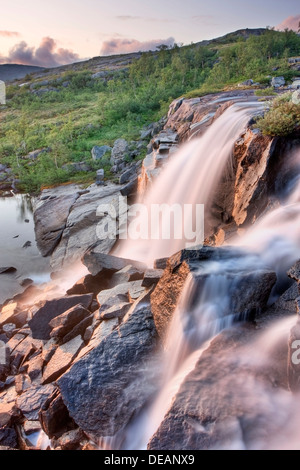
56, 32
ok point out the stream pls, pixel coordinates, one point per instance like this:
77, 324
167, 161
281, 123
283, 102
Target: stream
16, 229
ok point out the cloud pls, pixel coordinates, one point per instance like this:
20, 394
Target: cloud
292, 22
46, 55
124, 45
145, 18
9, 34
128, 17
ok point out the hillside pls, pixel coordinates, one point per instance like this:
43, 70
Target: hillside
10, 72
52, 122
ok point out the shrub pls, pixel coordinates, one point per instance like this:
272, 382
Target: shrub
265, 92
282, 118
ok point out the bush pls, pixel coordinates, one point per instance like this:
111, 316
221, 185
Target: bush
265, 92
282, 118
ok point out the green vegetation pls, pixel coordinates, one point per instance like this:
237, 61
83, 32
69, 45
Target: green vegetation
282, 118
269, 91
78, 112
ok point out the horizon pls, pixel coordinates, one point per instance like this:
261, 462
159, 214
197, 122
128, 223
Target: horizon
40, 36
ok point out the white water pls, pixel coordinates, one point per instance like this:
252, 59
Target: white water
190, 177
274, 241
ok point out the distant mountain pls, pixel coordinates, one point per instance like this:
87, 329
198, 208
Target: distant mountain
10, 72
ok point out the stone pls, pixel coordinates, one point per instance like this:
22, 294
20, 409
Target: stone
62, 359
22, 383
7, 410
296, 97
127, 274
50, 219
8, 313
111, 374
31, 427
122, 292
8, 438
71, 440
97, 262
90, 284
127, 176
32, 400
152, 276
296, 84
99, 152
65, 322
54, 415
278, 82
130, 189
36, 153
246, 83
99, 334
161, 263
117, 311
7, 270
35, 367
100, 174
78, 329
119, 152
40, 324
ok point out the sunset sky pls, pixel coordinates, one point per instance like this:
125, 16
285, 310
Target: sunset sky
36, 32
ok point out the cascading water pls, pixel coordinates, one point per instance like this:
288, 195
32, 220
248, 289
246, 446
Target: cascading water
273, 241
190, 178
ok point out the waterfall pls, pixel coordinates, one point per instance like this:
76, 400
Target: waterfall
190, 178
274, 241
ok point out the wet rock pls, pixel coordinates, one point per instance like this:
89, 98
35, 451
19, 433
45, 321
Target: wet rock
250, 294
152, 276
54, 415
31, 401
40, 324
130, 189
71, 440
97, 262
111, 374
31, 427
62, 359
65, 322
8, 438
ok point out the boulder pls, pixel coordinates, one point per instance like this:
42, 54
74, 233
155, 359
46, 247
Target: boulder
296, 84
8, 313
130, 189
278, 82
127, 274
296, 97
119, 152
127, 176
117, 311
90, 284
65, 322
50, 218
99, 152
124, 291
246, 83
98, 262
112, 374
31, 401
40, 324
79, 330
53, 414
62, 359
152, 276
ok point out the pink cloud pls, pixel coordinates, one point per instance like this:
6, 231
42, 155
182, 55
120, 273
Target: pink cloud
47, 54
9, 34
124, 45
292, 22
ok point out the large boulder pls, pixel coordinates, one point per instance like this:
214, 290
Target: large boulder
50, 218
248, 288
119, 152
40, 323
277, 82
99, 152
111, 377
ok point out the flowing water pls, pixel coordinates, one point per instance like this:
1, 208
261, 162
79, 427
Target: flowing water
189, 178
274, 241
16, 229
